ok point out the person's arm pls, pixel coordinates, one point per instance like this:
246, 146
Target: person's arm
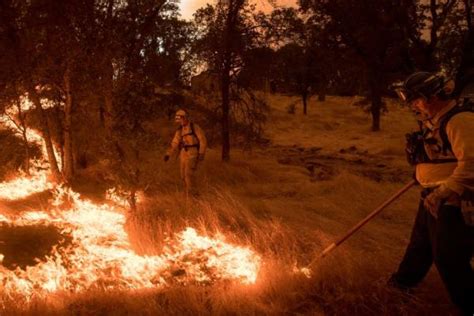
174, 144
460, 132
461, 137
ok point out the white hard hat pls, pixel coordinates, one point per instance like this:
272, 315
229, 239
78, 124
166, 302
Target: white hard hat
181, 114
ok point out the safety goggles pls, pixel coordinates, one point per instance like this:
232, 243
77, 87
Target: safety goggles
179, 117
406, 95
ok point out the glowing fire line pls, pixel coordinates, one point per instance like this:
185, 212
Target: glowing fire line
100, 253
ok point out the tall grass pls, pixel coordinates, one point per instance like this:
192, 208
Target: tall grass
341, 284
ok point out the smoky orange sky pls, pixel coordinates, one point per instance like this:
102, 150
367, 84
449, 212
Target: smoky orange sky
188, 7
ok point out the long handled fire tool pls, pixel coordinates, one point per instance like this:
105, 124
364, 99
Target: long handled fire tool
362, 223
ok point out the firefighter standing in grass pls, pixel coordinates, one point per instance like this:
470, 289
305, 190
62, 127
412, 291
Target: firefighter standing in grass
190, 143
443, 153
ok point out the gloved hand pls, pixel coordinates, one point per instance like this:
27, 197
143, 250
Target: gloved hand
434, 200
201, 157
166, 158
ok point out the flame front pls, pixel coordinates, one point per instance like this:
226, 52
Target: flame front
98, 253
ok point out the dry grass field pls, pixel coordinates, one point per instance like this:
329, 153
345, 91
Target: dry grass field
320, 174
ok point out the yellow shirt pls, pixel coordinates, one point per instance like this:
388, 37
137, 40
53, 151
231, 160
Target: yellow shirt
457, 176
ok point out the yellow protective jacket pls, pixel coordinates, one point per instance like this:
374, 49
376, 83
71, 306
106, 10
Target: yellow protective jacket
458, 175
187, 137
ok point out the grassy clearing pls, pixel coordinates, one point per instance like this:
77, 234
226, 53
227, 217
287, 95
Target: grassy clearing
287, 218
336, 124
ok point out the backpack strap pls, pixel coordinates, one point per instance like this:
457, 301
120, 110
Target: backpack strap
467, 106
191, 125
193, 133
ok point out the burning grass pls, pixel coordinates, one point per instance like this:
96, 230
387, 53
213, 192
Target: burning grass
97, 246
347, 282
100, 254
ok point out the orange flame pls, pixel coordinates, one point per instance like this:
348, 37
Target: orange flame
100, 254
22, 187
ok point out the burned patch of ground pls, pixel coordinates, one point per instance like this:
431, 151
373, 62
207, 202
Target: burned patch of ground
24, 246
324, 166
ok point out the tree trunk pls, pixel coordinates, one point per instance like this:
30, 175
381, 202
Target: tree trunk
304, 97
322, 93
376, 99
106, 109
375, 111
225, 112
27, 152
53, 163
23, 129
466, 66
108, 89
102, 114
68, 163
234, 7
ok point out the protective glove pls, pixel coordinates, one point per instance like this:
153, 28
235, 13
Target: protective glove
434, 200
201, 157
166, 158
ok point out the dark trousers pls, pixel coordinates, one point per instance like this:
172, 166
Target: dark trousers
448, 242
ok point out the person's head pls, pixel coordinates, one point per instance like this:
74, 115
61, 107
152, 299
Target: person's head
182, 117
426, 93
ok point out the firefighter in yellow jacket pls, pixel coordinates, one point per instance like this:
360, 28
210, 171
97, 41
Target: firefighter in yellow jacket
443, 153
190, 143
